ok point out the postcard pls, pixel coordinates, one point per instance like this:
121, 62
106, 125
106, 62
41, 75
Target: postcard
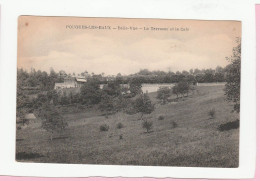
128, 91
130, 97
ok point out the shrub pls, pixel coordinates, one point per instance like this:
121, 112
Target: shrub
163, 94
147, 125
104, 127
174, 124
161, 117
119, 125
143, 104
121, 137
212, 113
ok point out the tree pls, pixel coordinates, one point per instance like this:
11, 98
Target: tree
90, 93
112, 88
52, 119
163, 94
148, 125
175, 90
183, 87
135, 86
53, 96
232, 87
143, 105
106, 104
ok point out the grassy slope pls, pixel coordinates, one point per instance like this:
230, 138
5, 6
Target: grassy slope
195, 141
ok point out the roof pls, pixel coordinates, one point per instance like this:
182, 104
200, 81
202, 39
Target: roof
81, 80
29, 116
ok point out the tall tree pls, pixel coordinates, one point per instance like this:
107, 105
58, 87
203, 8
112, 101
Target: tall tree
232, 87
90, 93
135, 86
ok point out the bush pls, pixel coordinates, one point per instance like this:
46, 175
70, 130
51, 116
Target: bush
119, 125
121, 137
161, 117
163, 94
143, 104
104, 127
147, 125
174, 124
212, 113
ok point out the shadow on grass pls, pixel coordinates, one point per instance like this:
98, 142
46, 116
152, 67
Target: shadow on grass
27, 156
229, 126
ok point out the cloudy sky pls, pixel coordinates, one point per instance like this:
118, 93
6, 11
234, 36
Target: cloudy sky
45, 42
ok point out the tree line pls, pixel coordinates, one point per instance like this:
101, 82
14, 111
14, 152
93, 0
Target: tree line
45, 81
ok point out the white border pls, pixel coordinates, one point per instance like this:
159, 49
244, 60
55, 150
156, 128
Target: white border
167, 9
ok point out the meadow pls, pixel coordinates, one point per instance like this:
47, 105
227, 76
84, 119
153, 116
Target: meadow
183, 134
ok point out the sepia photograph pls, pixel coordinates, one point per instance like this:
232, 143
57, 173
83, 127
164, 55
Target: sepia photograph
121, 91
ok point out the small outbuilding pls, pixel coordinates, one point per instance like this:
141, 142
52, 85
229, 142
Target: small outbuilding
26, 119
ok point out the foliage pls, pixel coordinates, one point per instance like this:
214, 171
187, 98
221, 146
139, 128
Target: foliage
143, 104
212, 113
163, 94
119, 125
161, 117
175, 90
106, 104
53, 121
112, 88
90, 93
121, 103
135, 86
148, 125
232, 87
183, 87
104, 127
174, 124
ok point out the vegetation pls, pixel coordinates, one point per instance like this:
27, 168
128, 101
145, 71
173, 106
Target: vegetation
104, 127
232, 88
161, 117
186, 145
90, 93
163, 94
143, 105
119, 125
135, 86
89, 107
174, 124
212, 113
52, 119
106, 104
147, 125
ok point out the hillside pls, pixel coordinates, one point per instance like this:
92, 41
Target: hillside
194, 140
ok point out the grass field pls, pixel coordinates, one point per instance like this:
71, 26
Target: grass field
196, 141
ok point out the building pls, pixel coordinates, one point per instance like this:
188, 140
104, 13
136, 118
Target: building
26, 119
70, 82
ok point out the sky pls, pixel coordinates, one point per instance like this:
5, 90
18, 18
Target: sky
65, 43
